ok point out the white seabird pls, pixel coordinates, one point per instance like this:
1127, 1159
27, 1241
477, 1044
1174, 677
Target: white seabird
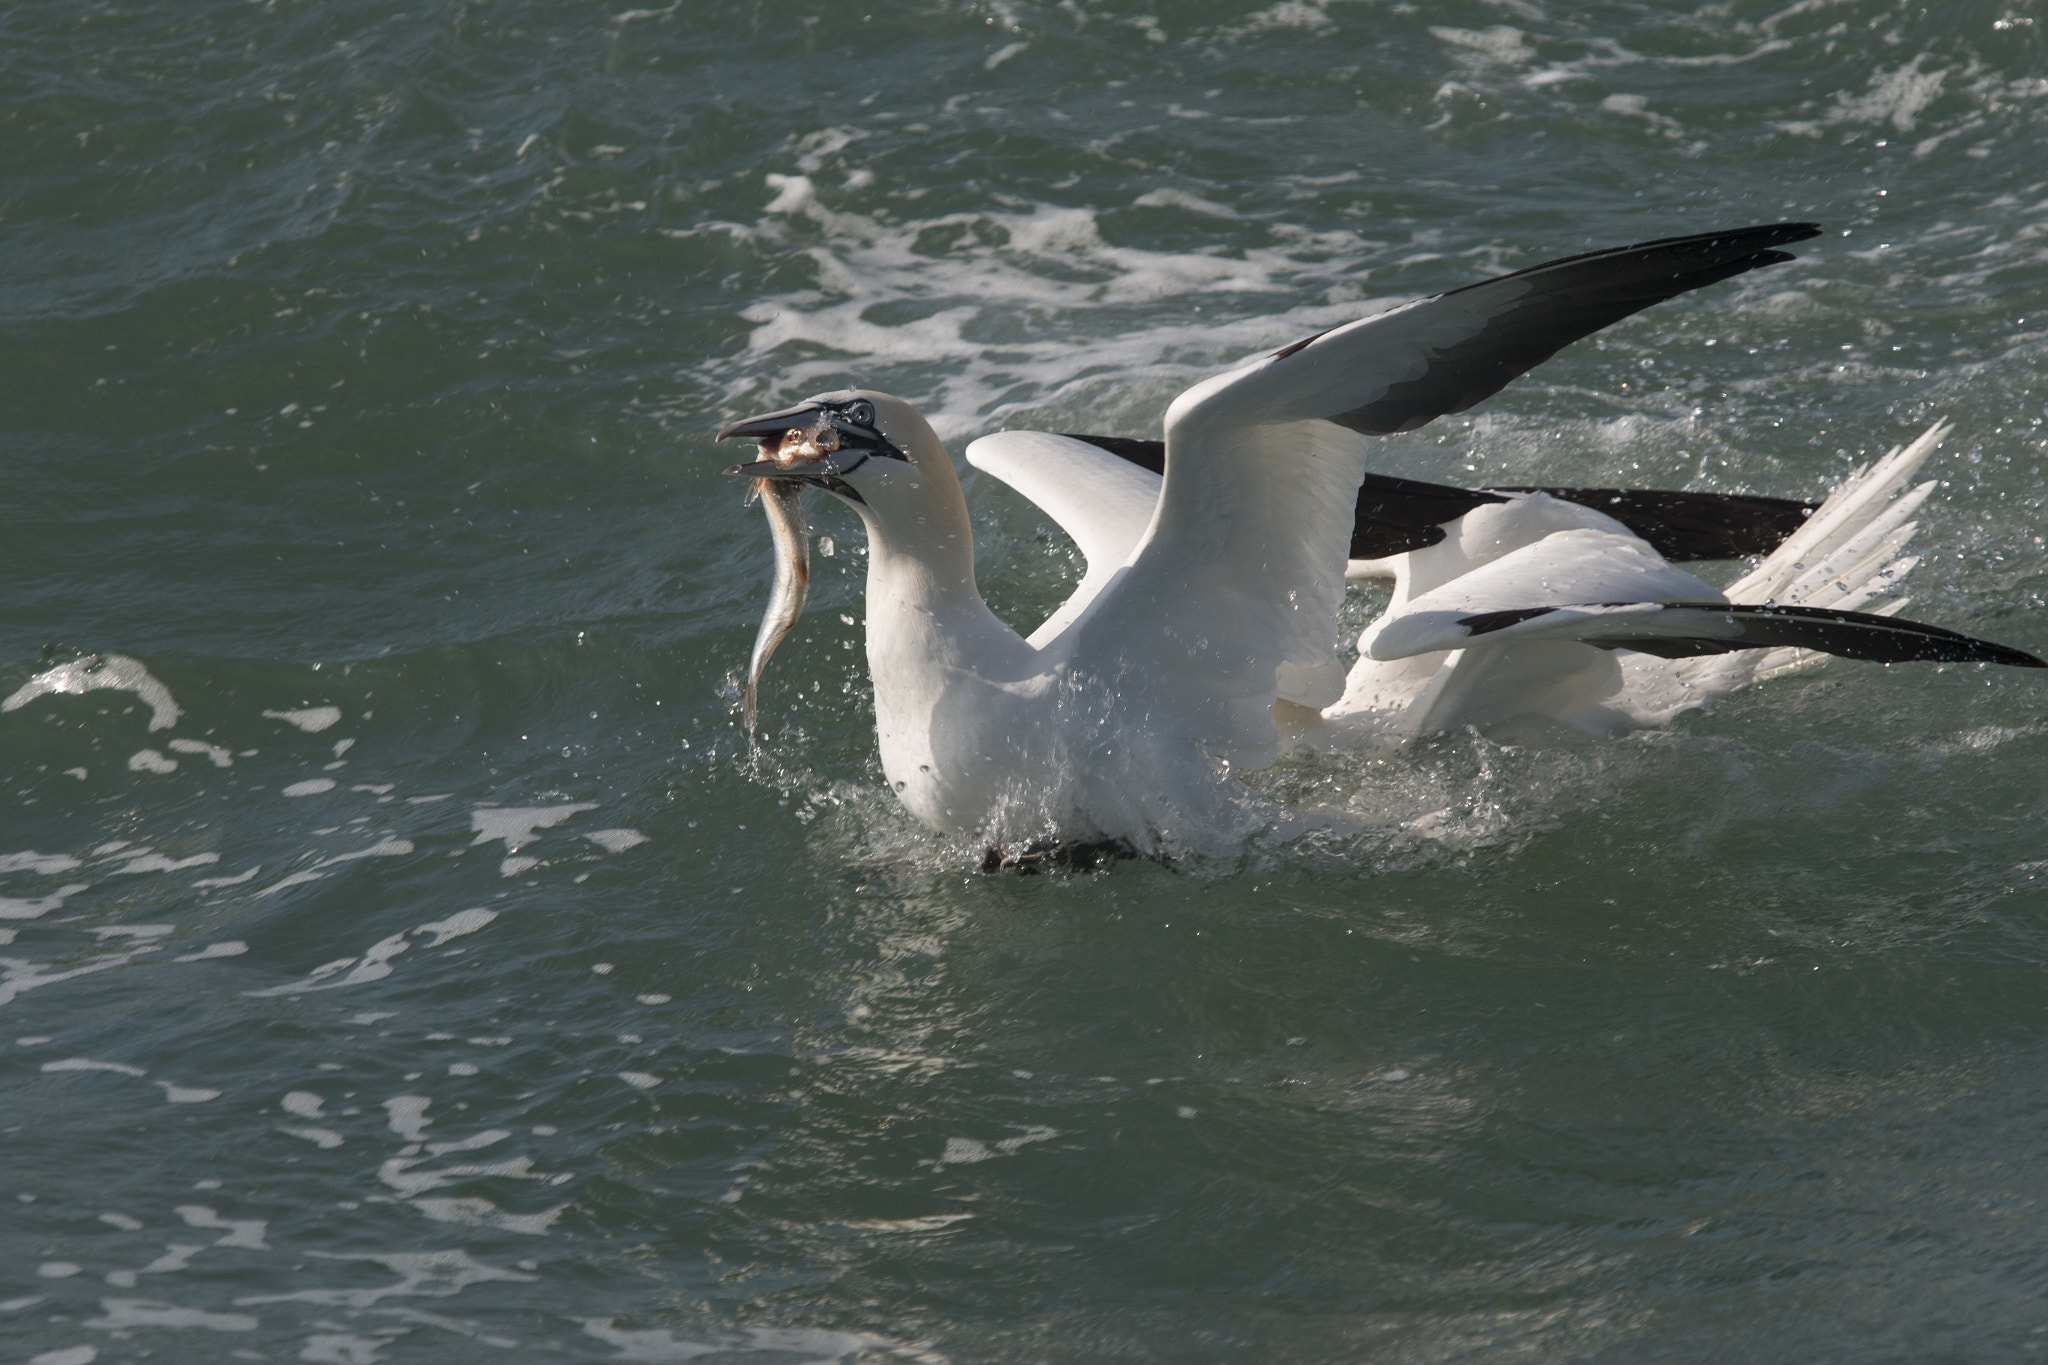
1204, 629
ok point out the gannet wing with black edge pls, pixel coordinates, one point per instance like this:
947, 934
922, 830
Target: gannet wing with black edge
1688, 526
1684, 630
1231, 599
1395, 515
1399, 369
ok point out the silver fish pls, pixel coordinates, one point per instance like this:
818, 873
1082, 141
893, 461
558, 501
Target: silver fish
781, 499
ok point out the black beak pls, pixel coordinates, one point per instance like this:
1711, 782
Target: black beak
768, 469
772, 426
855, 441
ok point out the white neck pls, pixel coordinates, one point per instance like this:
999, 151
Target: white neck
938, 656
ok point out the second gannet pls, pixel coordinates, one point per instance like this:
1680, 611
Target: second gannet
1206, 621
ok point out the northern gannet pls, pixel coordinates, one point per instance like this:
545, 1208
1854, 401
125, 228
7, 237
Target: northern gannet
1203, 634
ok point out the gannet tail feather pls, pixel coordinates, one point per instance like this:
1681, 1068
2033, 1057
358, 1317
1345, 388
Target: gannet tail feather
1838, 543
1847, 554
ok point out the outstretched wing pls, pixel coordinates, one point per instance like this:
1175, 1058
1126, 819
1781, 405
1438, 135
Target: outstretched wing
1685, 630
1231, 599
1103, 502
1396, 515
1446, 352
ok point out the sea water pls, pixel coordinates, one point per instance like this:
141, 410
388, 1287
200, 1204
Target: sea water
404, 957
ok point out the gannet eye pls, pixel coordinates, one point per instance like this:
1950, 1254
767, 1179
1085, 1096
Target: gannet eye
862, 412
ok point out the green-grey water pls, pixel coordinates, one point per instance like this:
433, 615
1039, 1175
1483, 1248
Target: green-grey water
411, 962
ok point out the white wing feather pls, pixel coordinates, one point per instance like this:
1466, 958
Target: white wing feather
1566, 568
1231, 598
1103, 502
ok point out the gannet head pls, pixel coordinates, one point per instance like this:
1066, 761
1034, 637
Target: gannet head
865, 447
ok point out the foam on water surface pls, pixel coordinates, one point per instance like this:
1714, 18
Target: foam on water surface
93, 673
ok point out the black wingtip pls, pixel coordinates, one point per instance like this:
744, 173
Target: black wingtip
1487, 622
1770, 625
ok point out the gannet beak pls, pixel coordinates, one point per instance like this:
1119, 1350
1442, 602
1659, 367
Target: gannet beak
837, 435
769, 431
772, 426
768, 469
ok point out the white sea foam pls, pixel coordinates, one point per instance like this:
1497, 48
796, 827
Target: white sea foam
66, 1355
400, 1173
120, 1315
241, 1232
342, 1348
376, 962
456, 925
408, 1116
88, 1064
616, 840
157, 862
1311, 15
103, 932
490, 1137
32, 861
519, 826
1497, 44
187, 1094
296, 879
414, 1185
312, 719
177, 1256
232, 947
17, 908
100, 672
374, 965
387, 847
482, 1213
219, 757
19, 975
790, 1345
426, 1274
962, 1151
1896, 97
979, 297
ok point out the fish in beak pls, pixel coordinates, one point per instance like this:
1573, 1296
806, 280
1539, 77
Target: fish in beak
815, 443
819, 442
782, 500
